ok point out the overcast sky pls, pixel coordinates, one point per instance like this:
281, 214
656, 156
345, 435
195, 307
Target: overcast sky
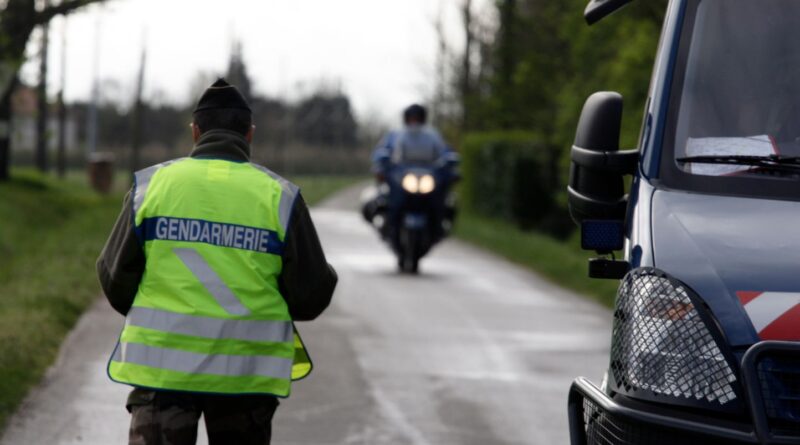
381, 52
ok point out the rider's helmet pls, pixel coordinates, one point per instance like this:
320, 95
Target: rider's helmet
415, 114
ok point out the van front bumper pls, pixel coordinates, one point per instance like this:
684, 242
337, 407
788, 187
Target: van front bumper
770, 375
597, 419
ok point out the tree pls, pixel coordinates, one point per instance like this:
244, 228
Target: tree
325, 120
138, 115
541, 61
466, 67
18, 19
237, 72
41, 121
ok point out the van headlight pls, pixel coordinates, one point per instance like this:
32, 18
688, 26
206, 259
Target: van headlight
663, 346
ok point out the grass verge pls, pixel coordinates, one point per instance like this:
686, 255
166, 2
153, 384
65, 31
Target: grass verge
562, 262
50, 235
317, 188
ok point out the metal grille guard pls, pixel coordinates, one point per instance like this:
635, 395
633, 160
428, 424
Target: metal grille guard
584, 389
758, 432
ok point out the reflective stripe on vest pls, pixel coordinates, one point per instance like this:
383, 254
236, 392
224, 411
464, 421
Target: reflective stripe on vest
213, 364
251, 330
287, 198
211, 281
142, 182
208, 315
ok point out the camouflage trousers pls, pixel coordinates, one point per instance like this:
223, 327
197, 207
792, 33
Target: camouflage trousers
167, 418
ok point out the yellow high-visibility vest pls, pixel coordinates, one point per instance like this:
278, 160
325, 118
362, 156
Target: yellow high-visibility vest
209, 316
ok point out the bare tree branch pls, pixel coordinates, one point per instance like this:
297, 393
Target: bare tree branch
65, 7
18, 19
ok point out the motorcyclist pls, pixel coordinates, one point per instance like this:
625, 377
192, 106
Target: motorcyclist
419, 144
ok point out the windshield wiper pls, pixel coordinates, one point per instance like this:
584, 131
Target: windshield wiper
771, 161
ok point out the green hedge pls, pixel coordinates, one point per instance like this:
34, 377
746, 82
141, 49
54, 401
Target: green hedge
513, 176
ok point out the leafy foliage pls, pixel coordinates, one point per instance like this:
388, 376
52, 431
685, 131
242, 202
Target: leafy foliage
543, 62
546, 61
513, 176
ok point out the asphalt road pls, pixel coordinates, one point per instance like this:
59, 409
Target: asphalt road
475, 350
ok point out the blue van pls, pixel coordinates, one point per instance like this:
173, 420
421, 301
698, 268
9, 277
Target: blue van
706, 325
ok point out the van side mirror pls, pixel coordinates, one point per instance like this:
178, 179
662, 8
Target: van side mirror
596, 185
597, 199
596, 10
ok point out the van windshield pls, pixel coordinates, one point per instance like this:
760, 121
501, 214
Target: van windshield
735, 105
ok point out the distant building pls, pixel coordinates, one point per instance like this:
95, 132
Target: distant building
24, 104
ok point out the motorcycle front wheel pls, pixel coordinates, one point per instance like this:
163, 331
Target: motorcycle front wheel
409, 264
408, 257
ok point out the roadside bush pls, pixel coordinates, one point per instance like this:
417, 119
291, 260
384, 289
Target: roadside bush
513, 176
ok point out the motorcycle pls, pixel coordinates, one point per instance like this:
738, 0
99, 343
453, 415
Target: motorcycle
413, 208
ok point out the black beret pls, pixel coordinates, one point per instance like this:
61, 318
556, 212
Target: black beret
222, 95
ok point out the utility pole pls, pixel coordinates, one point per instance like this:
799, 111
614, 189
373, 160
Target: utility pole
41, 124
138, 113
440, 102
466, 68
6, 129
61, 153
91, 124
285, 122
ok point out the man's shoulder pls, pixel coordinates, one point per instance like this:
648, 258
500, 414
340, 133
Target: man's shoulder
432, 132
389, 138
285, 183
425, 134
143, 177
155, 167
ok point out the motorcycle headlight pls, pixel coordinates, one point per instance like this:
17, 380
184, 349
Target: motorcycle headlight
410, 183
663, 345
427, 184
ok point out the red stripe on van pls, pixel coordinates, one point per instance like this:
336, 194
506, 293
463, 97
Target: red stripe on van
747, 296
786, 327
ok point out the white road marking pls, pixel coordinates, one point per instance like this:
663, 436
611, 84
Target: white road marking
395, 415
